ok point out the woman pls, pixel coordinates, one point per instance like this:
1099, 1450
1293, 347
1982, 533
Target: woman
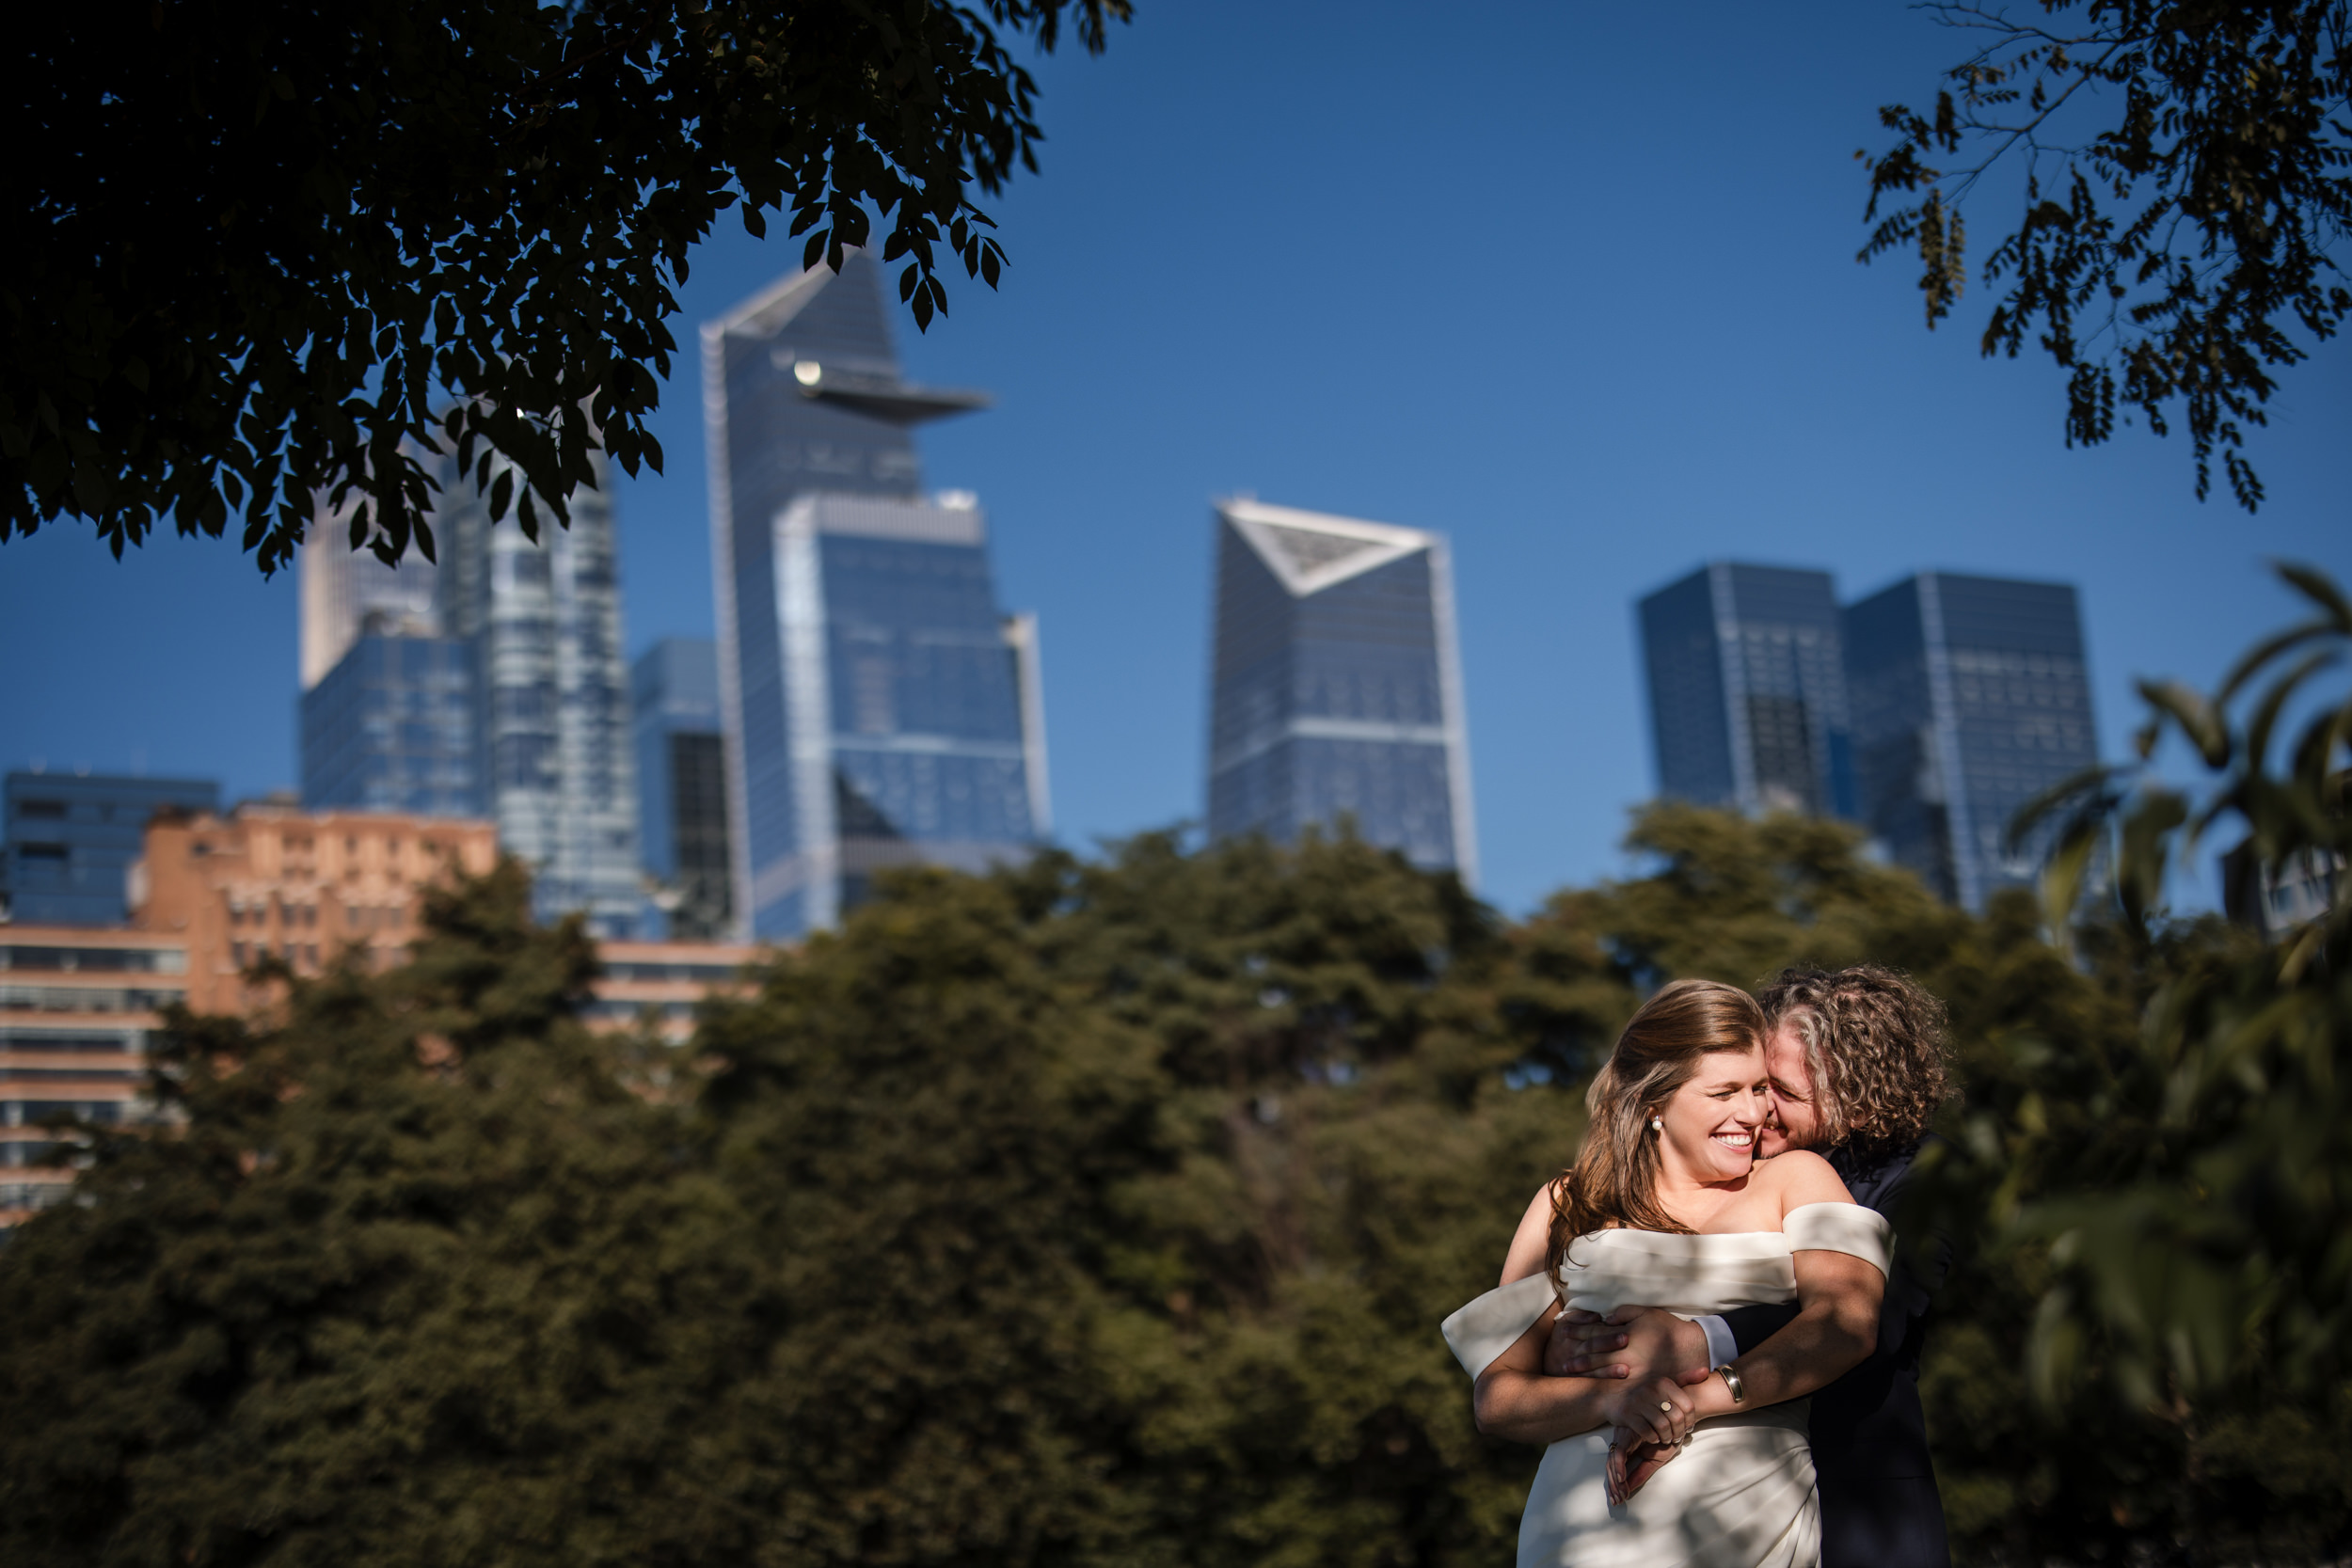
1666, 1205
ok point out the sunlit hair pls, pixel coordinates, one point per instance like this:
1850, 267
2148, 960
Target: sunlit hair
1615, 1179
1874, 1047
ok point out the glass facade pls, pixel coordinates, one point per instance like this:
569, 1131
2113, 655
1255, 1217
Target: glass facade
391, 728
554, 758
1971, 697
879, 708
1747, 689
1336, 690
490, 685
69, 841
681, 784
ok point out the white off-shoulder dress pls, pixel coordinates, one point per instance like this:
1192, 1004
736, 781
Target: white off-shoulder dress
1741, 1494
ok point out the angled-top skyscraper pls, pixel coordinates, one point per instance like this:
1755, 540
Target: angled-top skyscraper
1337, 687
879, 708
1747, 691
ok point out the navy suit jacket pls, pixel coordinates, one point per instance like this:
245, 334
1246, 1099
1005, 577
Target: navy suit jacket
1879, 1504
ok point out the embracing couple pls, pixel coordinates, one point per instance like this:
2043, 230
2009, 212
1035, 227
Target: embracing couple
1703, 1317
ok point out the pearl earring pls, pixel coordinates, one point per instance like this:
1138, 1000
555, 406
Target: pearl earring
1656, 1124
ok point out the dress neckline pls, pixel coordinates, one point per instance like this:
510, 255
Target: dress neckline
1637, 1231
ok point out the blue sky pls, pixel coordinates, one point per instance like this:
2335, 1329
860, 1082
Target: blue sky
1574, 284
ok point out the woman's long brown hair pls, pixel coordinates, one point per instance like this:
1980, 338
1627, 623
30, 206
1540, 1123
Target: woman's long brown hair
1615, 1179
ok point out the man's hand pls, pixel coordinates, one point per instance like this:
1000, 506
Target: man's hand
1639, 1342
1631, 1462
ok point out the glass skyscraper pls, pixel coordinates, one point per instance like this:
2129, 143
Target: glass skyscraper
553, 751
70, 840
879, 708
1971, 696
390, 727
681, 784
1747, 689
493, 686
1337, 687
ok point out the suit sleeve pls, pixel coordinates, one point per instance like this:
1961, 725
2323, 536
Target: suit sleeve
1752, 1325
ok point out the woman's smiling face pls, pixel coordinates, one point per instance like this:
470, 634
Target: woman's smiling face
1710, 1123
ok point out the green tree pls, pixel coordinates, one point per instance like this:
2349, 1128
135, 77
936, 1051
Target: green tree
262, 241
415, 1283
2187, 188
1103, 1211
2175, 1204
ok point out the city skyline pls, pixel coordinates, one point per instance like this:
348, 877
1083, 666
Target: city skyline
1581, 442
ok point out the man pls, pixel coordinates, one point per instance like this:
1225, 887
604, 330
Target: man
1856, 1064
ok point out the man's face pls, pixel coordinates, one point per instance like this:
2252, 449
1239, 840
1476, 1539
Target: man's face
1795, 1122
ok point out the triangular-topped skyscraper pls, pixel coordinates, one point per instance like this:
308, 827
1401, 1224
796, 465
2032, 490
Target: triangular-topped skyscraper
879, 710
1337, 690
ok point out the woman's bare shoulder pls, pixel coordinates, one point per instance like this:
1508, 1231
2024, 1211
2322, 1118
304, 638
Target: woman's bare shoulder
1800, 1176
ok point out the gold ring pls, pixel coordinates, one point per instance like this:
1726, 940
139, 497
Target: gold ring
1666, 1406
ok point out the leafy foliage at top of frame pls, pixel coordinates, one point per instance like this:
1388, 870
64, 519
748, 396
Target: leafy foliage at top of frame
264, 241
2173, 253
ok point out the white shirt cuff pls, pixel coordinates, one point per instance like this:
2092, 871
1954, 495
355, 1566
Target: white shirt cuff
1721, 1347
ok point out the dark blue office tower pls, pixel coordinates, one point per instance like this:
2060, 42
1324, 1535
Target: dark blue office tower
880, 708
1747, 691
70, 840
1971, 696
1337, 687
681, 784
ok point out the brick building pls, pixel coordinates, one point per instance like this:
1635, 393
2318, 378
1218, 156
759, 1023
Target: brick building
271, 879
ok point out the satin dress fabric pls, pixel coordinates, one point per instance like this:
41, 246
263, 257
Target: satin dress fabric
1741, 1494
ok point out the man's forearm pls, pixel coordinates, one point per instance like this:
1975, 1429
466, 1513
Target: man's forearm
1528, 1407
1827, 1340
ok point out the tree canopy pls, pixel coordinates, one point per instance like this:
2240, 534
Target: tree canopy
273, 249
2186, 173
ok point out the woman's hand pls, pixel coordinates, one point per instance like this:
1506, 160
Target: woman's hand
1656, 1410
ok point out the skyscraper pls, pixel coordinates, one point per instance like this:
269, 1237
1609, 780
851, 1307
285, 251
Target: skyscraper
391, 728
873, 691
1337, 687
492, 686
70, 840
1747, 689
387, 711
553, 753
681, 784
1971, 696
348, 593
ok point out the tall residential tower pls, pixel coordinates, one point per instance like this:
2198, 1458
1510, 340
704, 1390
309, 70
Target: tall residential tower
492, 686
880, 708
1337, 687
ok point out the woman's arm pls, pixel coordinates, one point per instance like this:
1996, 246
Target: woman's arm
1515, 1400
